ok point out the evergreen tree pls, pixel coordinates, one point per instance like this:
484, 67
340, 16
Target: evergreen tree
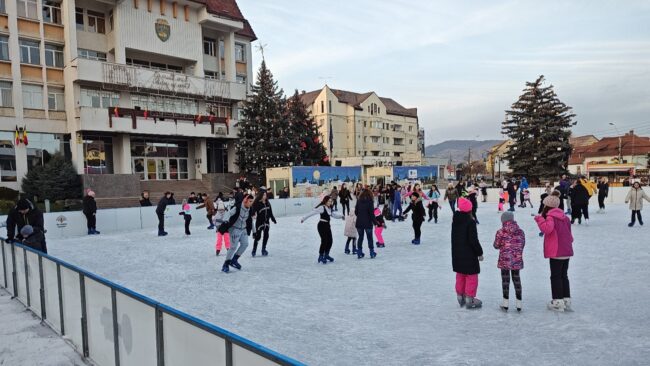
539, 125
309, 139
56, 180
265, 137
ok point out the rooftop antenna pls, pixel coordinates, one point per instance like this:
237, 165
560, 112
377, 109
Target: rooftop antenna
260, 47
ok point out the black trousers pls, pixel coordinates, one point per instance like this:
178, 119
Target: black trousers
521, 199
345, 205
258, 235
188, 219
559, 278
91, 221
601, 202
325, 232
354, 243
505, 283
433, 211
161, 222
417, 225
637, 213
209, 217
577, 211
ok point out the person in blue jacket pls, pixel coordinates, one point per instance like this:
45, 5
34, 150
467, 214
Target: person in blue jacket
523, 186
397, 203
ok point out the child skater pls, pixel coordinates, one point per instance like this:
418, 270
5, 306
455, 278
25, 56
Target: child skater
417, 216
502, 199
635, 197
324, 209
527, 199
466, 252
510, 241
187, 215
379, 229
434, 197
220, 212
558, 247
350, 232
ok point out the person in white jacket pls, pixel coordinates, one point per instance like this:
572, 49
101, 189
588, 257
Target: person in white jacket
635, 197
324, 209
351, 232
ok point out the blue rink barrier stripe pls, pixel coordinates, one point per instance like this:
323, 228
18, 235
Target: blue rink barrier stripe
210, 328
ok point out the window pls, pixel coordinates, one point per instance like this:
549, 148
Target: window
51, 12
329, 106
411, 141
2, 7
79, 18
55, 99
322, 106
32, 96
240, 52
53, 55
96, 22
410, 128
29, 52
7, 157
211, 75
365, 123
98, 99
27, 9
209, 46
241, 79
374, 139
42, 146
4, 48
5, 94
165, 104
92, 55
98, 155
154, 65
222, 48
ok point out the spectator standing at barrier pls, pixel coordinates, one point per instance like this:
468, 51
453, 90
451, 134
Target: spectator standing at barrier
284, 193
192, 198
172, 200
144, 199
239, 225
209, 209
24, 213
345, 196
33, 238
90, 211
160, 212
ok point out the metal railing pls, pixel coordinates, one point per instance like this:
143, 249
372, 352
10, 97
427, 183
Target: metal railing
51, 291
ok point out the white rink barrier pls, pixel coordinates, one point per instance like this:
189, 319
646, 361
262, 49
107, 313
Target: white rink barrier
112, 325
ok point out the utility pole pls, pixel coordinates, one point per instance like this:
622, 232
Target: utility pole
469, 161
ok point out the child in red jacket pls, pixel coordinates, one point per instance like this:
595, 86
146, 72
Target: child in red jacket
379, 228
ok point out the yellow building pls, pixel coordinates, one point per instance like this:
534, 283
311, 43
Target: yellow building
365, 129
496, 164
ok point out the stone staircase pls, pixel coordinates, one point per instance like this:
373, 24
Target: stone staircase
180, 188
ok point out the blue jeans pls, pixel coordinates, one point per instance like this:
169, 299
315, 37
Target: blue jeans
397, 206
368, 233
452, 204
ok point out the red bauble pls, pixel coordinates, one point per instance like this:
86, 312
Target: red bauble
315, 140
326, 158
303, 145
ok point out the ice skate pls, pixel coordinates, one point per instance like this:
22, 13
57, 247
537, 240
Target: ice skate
347, 250
556, 305
473, 303
328, 258
630, 224
235, 263
217, 252
416, 242
518, 305
253, 253
264, 253
372, 254
505, 304
226, 266
461, 300
567, 304
360, 254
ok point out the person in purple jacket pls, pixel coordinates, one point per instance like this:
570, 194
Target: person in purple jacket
510, 241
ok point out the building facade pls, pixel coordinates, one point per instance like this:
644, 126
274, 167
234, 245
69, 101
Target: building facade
365, 129
141, 87
496, 163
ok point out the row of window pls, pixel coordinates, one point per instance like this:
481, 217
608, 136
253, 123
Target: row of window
33, 96
385, 126
92, 21
30, 52
386, 140
29, 9
153, 65
210, 49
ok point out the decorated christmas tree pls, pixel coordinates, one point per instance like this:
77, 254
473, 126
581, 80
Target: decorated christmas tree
539, 125
309, 139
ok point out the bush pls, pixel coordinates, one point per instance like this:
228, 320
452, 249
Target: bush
8, 194
6, 206
56, 180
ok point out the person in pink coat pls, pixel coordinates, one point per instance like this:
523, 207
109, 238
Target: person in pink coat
379, 229
510, 241
558, 248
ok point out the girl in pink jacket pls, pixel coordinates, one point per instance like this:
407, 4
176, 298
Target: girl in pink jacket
558, 247
510, 241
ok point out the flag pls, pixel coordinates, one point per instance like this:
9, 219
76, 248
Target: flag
116, 112
25, 136
17, 137
198, 118
146, 114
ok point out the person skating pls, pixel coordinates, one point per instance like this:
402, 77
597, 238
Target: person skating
471, 196
558, 248
144, 199
510, 241
397, 203
364, 210
451, 194
417, 216
239, 225
324, 209
434, 197
160, 212
209, 209
527, 200
345, 196
379, 229
512, 194
90, 211
466, 253
635, 197
33, 238
523, 185
579, 202
24, 213
218, 219
603, 192
186, 212
263, 214
484, 193
350, 232
335, 197
503, 198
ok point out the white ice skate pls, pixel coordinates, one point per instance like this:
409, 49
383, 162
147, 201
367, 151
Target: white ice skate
556, 305
567, 304
504, 304
518, 304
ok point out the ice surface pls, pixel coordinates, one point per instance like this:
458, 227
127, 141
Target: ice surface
400, 308
24, 341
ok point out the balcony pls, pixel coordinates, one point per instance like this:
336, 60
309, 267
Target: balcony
126, 120
121, 77
218, 22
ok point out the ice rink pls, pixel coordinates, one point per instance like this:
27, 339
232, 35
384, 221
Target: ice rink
399, 308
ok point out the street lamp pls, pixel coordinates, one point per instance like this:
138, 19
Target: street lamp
620, 157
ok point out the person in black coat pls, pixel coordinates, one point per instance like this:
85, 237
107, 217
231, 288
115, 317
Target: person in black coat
33, 238
474, 200
512, 194
579, 202
417, 216
344, 197
466, 252
364, 210
603, 192
144, 199
24, 213
160, 212
90, 211
263, 216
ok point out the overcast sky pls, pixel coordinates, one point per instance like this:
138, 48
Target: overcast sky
462, 63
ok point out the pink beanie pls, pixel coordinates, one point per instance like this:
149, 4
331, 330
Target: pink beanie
464, 205
377, 211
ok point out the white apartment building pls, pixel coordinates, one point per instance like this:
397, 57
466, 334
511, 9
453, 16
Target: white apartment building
140, 87
365, 129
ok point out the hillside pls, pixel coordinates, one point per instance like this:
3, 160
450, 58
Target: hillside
458, 149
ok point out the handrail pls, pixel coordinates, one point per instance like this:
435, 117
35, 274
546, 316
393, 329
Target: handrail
209, 327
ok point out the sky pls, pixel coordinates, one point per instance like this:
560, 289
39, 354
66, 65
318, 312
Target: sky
463, 63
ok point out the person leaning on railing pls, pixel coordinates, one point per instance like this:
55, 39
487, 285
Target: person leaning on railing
23, 214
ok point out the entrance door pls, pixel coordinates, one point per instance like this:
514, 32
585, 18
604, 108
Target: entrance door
173, 169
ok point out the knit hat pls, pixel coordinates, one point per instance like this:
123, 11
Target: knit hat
23, 204
26, 231
91, 193
551, 201
507, 216
464, 205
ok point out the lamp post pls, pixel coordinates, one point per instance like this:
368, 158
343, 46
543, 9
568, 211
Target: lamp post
620, 157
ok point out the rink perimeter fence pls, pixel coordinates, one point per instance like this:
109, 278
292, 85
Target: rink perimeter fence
112, 325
